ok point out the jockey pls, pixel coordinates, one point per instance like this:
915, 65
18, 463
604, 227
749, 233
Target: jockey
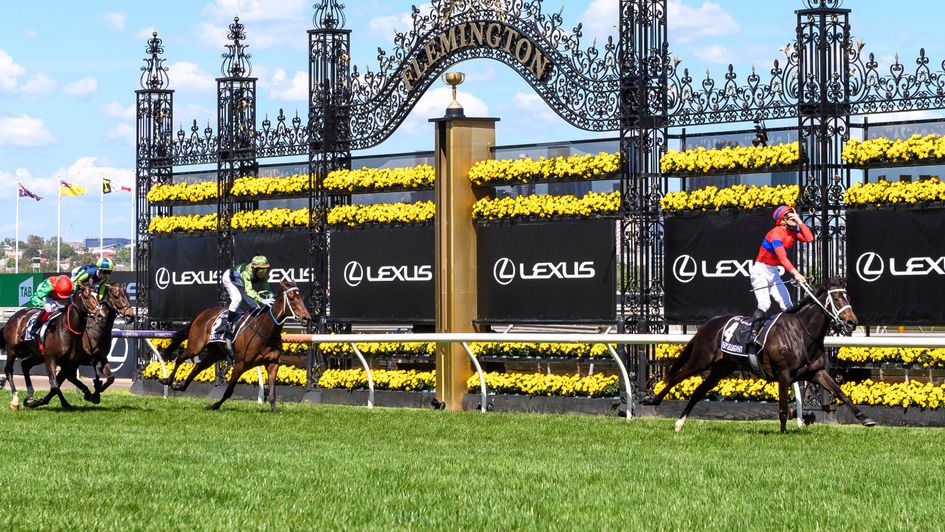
765, 280
98, 274
51, 295
244, 283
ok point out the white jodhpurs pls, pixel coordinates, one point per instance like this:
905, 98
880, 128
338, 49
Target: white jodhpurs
768, 287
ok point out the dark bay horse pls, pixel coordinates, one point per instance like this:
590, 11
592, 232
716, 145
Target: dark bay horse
258, 342
95, 345
794, 351
61, 345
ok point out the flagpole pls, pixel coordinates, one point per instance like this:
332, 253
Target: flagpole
16, 239
101, 220
134, 232
59, 230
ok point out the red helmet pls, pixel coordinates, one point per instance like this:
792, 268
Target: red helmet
62, 287
780, 212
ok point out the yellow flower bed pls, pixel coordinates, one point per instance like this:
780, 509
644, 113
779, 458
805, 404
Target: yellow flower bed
183, 224
701, 160
381, 348
536, 206
351, 379
270, 219
289, 375
525, 170
884, 192
882, 150
898, 394
730, 389
597, 385
927, 357
737, 196
265, 186
183, 192
380, 178
668, 351
544, 349
384, 213
287, 347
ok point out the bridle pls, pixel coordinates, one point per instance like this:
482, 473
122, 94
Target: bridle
833, 312
84, 309
288, 307
111, 304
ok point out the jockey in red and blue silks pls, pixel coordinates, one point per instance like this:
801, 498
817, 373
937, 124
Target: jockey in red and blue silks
765, 279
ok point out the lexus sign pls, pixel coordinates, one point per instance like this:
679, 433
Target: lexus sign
184, 278
896, 265
558, 271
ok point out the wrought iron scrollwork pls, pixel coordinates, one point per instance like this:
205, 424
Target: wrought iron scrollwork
581, 86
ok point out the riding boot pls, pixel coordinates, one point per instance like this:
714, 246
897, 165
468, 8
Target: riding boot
758, 320
38, 324
231, 319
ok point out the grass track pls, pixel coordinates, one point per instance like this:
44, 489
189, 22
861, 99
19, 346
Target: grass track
149, 463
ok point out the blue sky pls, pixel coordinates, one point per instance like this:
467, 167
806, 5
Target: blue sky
67, 81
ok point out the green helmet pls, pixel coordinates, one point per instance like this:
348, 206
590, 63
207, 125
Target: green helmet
259, 262
105, 263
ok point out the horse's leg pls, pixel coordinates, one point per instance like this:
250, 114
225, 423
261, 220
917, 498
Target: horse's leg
73, 377
8, 373
26, 365
204, 363
50, 363
107, 372
784, 382
273, 370
824, 379
691, 367
238, 369
719, 371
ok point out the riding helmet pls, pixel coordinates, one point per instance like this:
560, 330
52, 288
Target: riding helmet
62, 287
105, 264
259, 262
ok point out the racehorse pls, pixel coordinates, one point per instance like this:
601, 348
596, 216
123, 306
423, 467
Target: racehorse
95, 345
258, 342
61, 345
794, 351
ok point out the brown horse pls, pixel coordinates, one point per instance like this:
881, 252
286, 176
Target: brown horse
96, 344
61, 345
794, 351
258, 342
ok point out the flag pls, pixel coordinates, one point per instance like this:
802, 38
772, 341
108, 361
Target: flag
26, 193
106, 186
125, 189
68, 189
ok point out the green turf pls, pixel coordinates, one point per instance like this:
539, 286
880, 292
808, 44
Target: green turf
149, 463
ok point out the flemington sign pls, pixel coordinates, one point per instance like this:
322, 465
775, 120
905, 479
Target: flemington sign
497, 36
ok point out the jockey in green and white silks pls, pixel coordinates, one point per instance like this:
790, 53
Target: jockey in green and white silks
244, 284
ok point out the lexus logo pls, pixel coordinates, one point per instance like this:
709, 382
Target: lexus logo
354, 273
685, 268
870, 267
503, 271
162, 278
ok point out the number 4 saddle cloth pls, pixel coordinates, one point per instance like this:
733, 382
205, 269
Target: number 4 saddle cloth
737, 334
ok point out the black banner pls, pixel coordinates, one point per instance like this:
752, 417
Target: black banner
896, 265
383, 274
288, 253
708, 262
560, 271
184, 277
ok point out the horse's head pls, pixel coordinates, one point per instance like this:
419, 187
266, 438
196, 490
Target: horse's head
86, 301
290, 303
116, 298
838, 304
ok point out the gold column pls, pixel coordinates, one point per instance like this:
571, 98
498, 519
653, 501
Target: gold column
460, 142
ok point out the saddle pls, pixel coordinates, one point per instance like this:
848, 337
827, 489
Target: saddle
218, 330
736, 336
27, 331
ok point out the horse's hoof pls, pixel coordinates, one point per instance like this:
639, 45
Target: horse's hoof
177, 387
88, 396
96, 398
165, 382
212, 406
29, 403
867, 422
649, 401
68, 408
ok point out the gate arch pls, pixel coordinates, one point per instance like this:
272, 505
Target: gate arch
580, 84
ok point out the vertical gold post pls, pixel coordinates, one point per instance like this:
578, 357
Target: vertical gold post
460, 142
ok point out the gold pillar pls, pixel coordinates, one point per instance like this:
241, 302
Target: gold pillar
460, 142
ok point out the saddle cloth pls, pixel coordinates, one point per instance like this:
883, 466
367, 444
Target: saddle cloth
737, 333
27, 331
218, 330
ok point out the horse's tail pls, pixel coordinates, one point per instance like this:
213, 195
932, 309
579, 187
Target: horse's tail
682, 359
179, 336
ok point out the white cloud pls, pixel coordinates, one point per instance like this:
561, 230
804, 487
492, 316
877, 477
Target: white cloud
601, 19
115, 20
686, 22
713, 54
433, 105
184, 117
486, 73
41, 85
88, 172
532, 106
10, 73
145, 34
24, 131
116, 110
281, 88
268, 23
124, 132
83, 87
386, 26
187, 76
251, 11
212, 35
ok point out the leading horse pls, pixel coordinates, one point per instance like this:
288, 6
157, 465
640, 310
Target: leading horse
258, 342
794, 351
